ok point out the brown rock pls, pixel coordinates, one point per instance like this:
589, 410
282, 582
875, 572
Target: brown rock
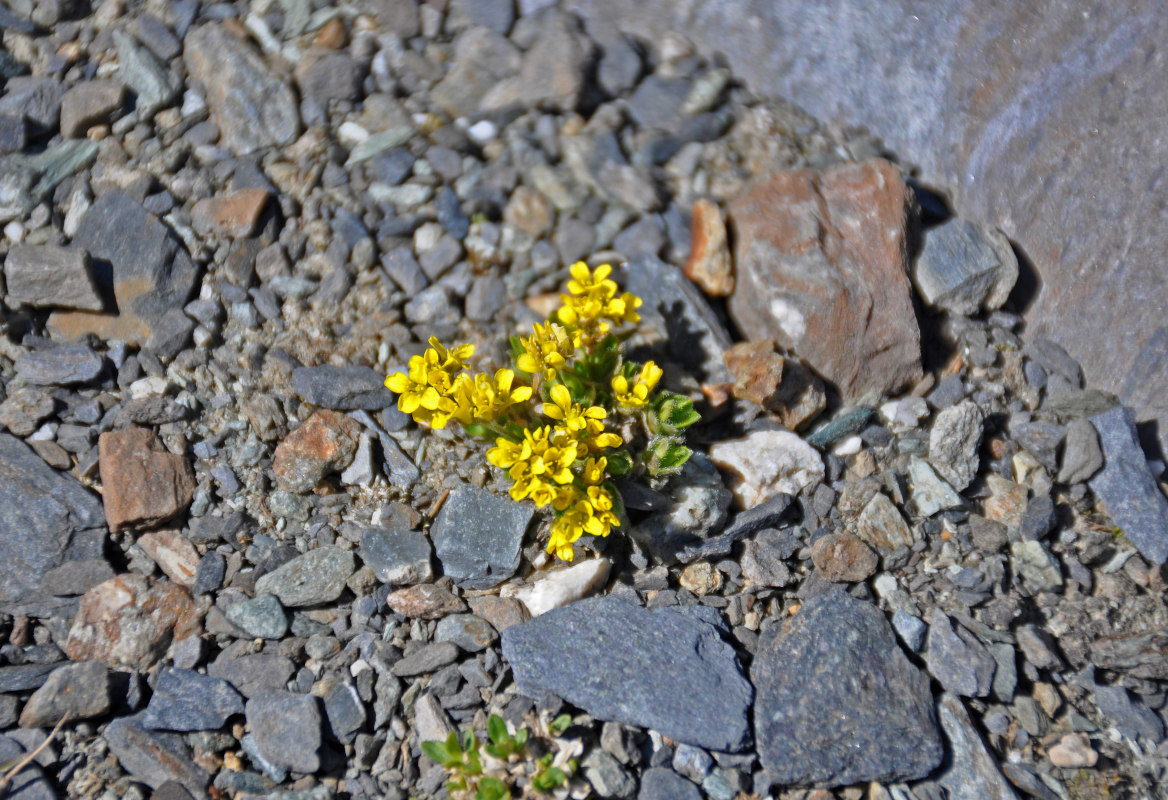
173, 554
234, 214
331, 35
709, 264
1006, 503
129, 621
425, 601
701, 578
501, 612
843, 558
881, 525
821, 261
326, 442
801, 396
143, 483
530, 212
90, 103
757, 370
124, 327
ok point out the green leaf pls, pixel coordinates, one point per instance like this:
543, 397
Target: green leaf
520, 738
491, 788
682, 415
564, 721
436, 752
675, 457
479, 431
497, 729
548, 780
469, 742
619, 463
516, 347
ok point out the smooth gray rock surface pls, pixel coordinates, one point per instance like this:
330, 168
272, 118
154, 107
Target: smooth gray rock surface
1127, 488
841, 653
1014, 110
342, 388
477, 536
661, 669
287, 729
972, 772
185, 700
315, 577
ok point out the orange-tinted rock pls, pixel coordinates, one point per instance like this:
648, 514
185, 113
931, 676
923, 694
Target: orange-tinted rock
331, 35
821, 262
801, 396
129, 621
425, 601
501, 612
709, 264
234, 214
143, 483
843, 558
173, 554
757, 370
326, 442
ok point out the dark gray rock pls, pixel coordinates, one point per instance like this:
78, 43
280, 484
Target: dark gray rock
63, 365
68, 518
30, 783
989, 106
136, 258
330, 76
972, 771
154, 86
957, 658
253, 108
81, 690
345, 711
486, 298
262, 617
1042, 438
553, 71
185, 700
1126, 485
287, 729
342, 388
315, 577
662, 783
677, 676
1038, 519
48, 275
401, 266
910, 629
498, 15
619, 65
154, 758
1133, 718
253, 673
22, 677
657, 102
840, 653
767, 514
606, 775
171, 334
426, 659
1082, 456
397, 556
477, 536
471, 633
37, 97
75, 578
675, 310
963, 268
1052, 357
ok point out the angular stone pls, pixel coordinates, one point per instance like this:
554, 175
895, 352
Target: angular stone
559, 587
23, 411
963, 268
1006, 503
252, 107
287, 729
138, 260
768, 463
697, 506
173, 554
253, 673
37, 97
425, 601
501, 612
821, 268
843, 558
63, 365
1082, 456
472, 634
325, 75
233, 215
840, 653
82, 691
89, 103
426, 659
154, 86
678, 676
345, 711
477, 536
185, 700
143, 483
66, 517
326, 442
662, 783
757, 370
880, 524
1126, 486
930, 494
77, 577
552, 73
128, 622
48, 275
482, 59
342, 388
315, 577
953, 443
154, 758
261, 617
957, 658
398, 557
972, 773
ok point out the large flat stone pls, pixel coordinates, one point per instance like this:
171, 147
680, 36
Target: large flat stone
1035, 117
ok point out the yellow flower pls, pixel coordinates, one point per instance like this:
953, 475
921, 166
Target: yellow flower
595, 284
426, 390
547, 350
636, 394
485, 398
544, 457
594, 470
623, 309
582, 513
575, 418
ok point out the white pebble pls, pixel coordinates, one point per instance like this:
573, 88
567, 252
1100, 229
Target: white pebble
14, 232
193, 103
483, 132
45, 433
148, 387
888, 410
202, 336
560, 587
350, 133
849, 446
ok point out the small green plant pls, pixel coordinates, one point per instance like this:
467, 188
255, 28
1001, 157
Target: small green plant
573, 414
490, 770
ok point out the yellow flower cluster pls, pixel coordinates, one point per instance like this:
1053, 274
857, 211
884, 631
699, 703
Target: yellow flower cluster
636, 394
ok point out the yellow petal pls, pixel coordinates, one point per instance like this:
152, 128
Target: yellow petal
398, 382
561, 397
521, 394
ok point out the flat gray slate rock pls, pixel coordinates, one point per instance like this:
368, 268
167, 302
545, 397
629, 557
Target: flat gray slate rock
1126, 486
618, 661
67, 518
185, 700
477, 536
342, 388
838, 702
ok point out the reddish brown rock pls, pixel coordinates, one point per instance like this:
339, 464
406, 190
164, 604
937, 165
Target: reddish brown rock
326, 442
129, 621
425, 601
757, 370
173, 554
143, 483
501, 612
234, 214
709, 264
821, 260
843, 558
